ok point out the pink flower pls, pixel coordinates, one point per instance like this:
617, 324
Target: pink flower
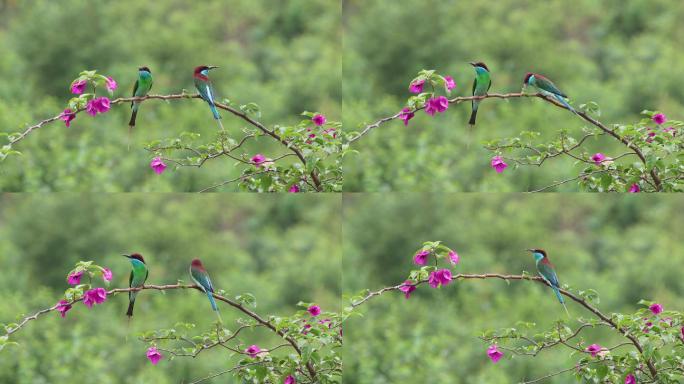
416, 86
634, 188
629, 379
94, 296
78, 87
406, 114
436, 104
494, 354
656, 308
306, 329
659, 118
453, 257
294, 188
598, 158
91, 108
498, 164
449, 82
157, 165
75, 278
314, 310
153, 355
594, 349
107, 274
290, 380
97, 105
63, 307
110, 83
258, 159
440, 277
332, 132
421, 257
671, 131
319, 119
407, 288
253, 351
649, 136
67, 116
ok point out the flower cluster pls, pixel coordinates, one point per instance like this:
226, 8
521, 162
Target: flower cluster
89, 102
430, 101
89, 295
432, 274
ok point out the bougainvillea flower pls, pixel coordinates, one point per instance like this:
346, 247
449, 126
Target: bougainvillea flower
671, 130
416, 86
153, 355
63, 307
157, 165
498, 164
494, 354
656, 308
421, 257
436, 104
407, 288
439, 277
449, 83
110, 84
102, 104
598, 158
94, 296
630, 379
253, 350
453, 257
406, 114
314, 310
659, 118
306, 329
332, 132
78, 87
634, 188
290, 380
107, 274
75, 278
594, 349
319, 119
649, 136
294, 188
67, 116
92, 107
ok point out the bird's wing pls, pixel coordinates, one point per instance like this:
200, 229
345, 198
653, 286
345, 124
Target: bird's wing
548, 272
490, 84
546, 84
474, 85
202, 279
135, 88
147, 273
130, 281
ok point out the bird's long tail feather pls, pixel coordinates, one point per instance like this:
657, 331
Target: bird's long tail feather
560, 298
561, 99
214, 306
131, 124
129, 313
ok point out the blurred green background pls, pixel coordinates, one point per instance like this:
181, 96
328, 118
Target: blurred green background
282, 249
627, 248
621, 54
285, 56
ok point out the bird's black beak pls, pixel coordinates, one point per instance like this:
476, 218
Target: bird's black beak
212, 66
472, 63
530, 250
128, 256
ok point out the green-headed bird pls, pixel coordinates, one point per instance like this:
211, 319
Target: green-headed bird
481, 85
200, 276
547, 88
548, 273
203, 85
136, 280
141, 88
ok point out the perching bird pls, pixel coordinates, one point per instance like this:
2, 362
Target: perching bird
141, 88
200, 276
137, 279
481, 85
548, 273
547, 88
203, 85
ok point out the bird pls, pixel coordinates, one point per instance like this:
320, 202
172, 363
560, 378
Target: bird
547, 88
548, 273
200, 276
481, 85
141, 88
137, 279
206, 92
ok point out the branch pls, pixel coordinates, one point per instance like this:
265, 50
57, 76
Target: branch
580, 301
236, 112
583, 115
230, 302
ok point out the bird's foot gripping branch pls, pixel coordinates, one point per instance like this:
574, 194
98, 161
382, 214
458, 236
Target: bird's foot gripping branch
650, 161
303, 347
651, 340
307, 156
